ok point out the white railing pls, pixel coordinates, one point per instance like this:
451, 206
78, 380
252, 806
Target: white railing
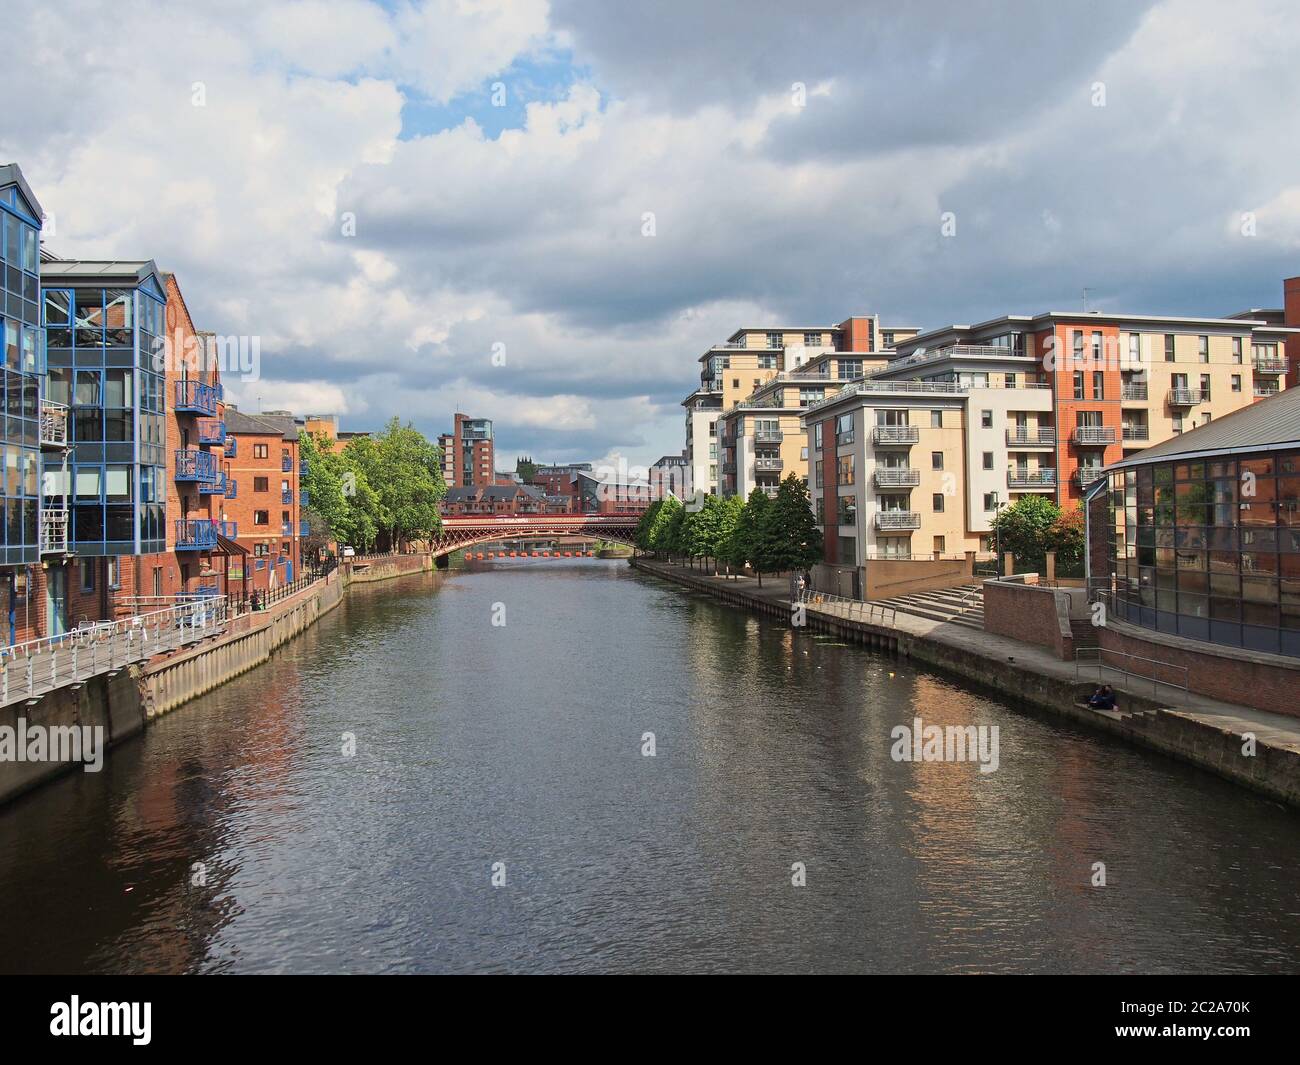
854, 609
34, 667
54, 423
897, 519
893, 476
1186, 397
871, 384
1040, 478
896, 434
54, 531
1031, 438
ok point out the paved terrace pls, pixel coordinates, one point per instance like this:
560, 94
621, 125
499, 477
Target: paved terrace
1272, 729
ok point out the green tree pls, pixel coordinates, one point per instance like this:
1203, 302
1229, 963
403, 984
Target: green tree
790, 533
660, 532
1025, 529
1067, 536
409, 482
645, 524
526, 469
729, 511
674, 542
747, 543
705, 528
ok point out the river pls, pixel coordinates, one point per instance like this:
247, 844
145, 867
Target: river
237, 835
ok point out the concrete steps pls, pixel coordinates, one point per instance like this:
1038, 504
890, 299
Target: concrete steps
962, 605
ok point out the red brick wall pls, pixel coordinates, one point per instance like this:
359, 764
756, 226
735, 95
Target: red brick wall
1062, 378
856, 335
246, 467
1291, 303
1027, 614
1263, 686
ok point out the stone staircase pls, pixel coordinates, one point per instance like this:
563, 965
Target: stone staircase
961, 605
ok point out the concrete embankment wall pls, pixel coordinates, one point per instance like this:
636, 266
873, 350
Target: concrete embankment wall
124, 703
1274, 771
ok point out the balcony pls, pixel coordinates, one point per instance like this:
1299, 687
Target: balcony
228, 529
232, 487
1186, 397
1265, 392
1085, 475
1133, 393
54, 531
232, 447
896, 477
897, 520
54, 424
212, 431
196, 534
1090, 435
304, 530
214, 488
302, 467
1022, 477
303, 498
896, 435
1266, 365
286, 528
194, 397
767, 464
194, 465
1031, 438
1137, 432
286, 496
286, 464
768, 436
728, 467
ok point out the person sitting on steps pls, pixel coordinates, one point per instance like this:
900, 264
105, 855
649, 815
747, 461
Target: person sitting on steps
1103, 698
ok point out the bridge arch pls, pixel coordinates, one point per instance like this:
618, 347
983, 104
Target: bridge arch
470, 531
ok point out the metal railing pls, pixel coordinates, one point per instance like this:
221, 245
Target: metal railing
1085, 475
897, 519
1186, 397
195, 465
35, 667
195, 397
211, 431
768, 436
896, 434
54, 424
1025, 478
854, 609
1134, 392
1103, 653
1137, 432
767, 464
1029, 438
1093, 434
896, 477
195, 534
1267, 365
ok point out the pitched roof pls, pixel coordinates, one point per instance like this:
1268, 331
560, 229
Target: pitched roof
1267, 425
260, 425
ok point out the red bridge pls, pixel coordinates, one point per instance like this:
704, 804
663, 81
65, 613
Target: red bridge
459, 532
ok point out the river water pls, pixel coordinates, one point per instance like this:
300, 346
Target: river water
237, 836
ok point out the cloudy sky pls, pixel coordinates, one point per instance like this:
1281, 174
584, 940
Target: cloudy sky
388, 192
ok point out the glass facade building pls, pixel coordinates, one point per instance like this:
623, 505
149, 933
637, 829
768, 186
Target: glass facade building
20, 397
104, 327
1208, 547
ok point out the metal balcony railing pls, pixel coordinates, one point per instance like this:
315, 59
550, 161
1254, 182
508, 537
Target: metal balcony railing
194, 465
196, 534
1085, 475
768, 436
286, 496
215, 487
286, 464
304, 530
303, 498
1031, 438
1267, 365
1026, 478
232, 488
228, 529
893, 435
897, 477
54, 424
302, 467
1264, 393
1186, 397
1094, 434
212, 431
194, 397
767, 464
54, 531
1137, 393
1137, 432
897, 519
232, 447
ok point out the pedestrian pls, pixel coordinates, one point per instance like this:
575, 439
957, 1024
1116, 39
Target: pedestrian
1102, 698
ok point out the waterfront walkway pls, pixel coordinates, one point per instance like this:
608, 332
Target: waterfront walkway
1275, 730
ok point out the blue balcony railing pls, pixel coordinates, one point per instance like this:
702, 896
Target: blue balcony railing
304, 529
194, 465
286, 528
212, 431
286, 496
196, 534
286, 463
206, 590
228, 529
194, 397
232, 488
214, 488
302, 497
232, 447
302, 467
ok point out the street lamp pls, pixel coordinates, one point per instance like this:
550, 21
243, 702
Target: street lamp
997, 533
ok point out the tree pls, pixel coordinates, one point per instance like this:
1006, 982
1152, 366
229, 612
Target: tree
704, 528
791, 533
1025, 529
674, 542
410, 484
747, 538
1067, 538
729, 511
526, 469
645, 524
659, 532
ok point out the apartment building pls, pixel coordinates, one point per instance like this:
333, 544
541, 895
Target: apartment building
732, 373
964, 420
326, 427
267, 511
605, 494
468, 455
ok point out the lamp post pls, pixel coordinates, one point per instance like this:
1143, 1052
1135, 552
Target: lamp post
997, 532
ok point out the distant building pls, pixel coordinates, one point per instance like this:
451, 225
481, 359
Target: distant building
671, 474
596, 494
468, 455
263, 458
327, 426
494, 499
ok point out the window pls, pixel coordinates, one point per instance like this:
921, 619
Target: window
111, 571
1076, 340
848, 510
936, 419
988, 460
1169, 347
812, 340
1078, 384
1135, 347
1205, 388
767, 362
1178, 424
1096, 348
844, 472
936, 460
844, 429
1203, 348
1010, 380
940, 545
936, 502
820, 508
259, 451
850, 369
818, 469
817, 436
986, 419
87, 568
803, 453
157, 582
1236, 349
1098, 385
887, 337
261, 517
774, 340
735, 382
1236, 382
261, 484
990, 501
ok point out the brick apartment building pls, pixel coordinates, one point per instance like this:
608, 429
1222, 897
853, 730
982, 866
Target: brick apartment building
267, 512
468, 453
